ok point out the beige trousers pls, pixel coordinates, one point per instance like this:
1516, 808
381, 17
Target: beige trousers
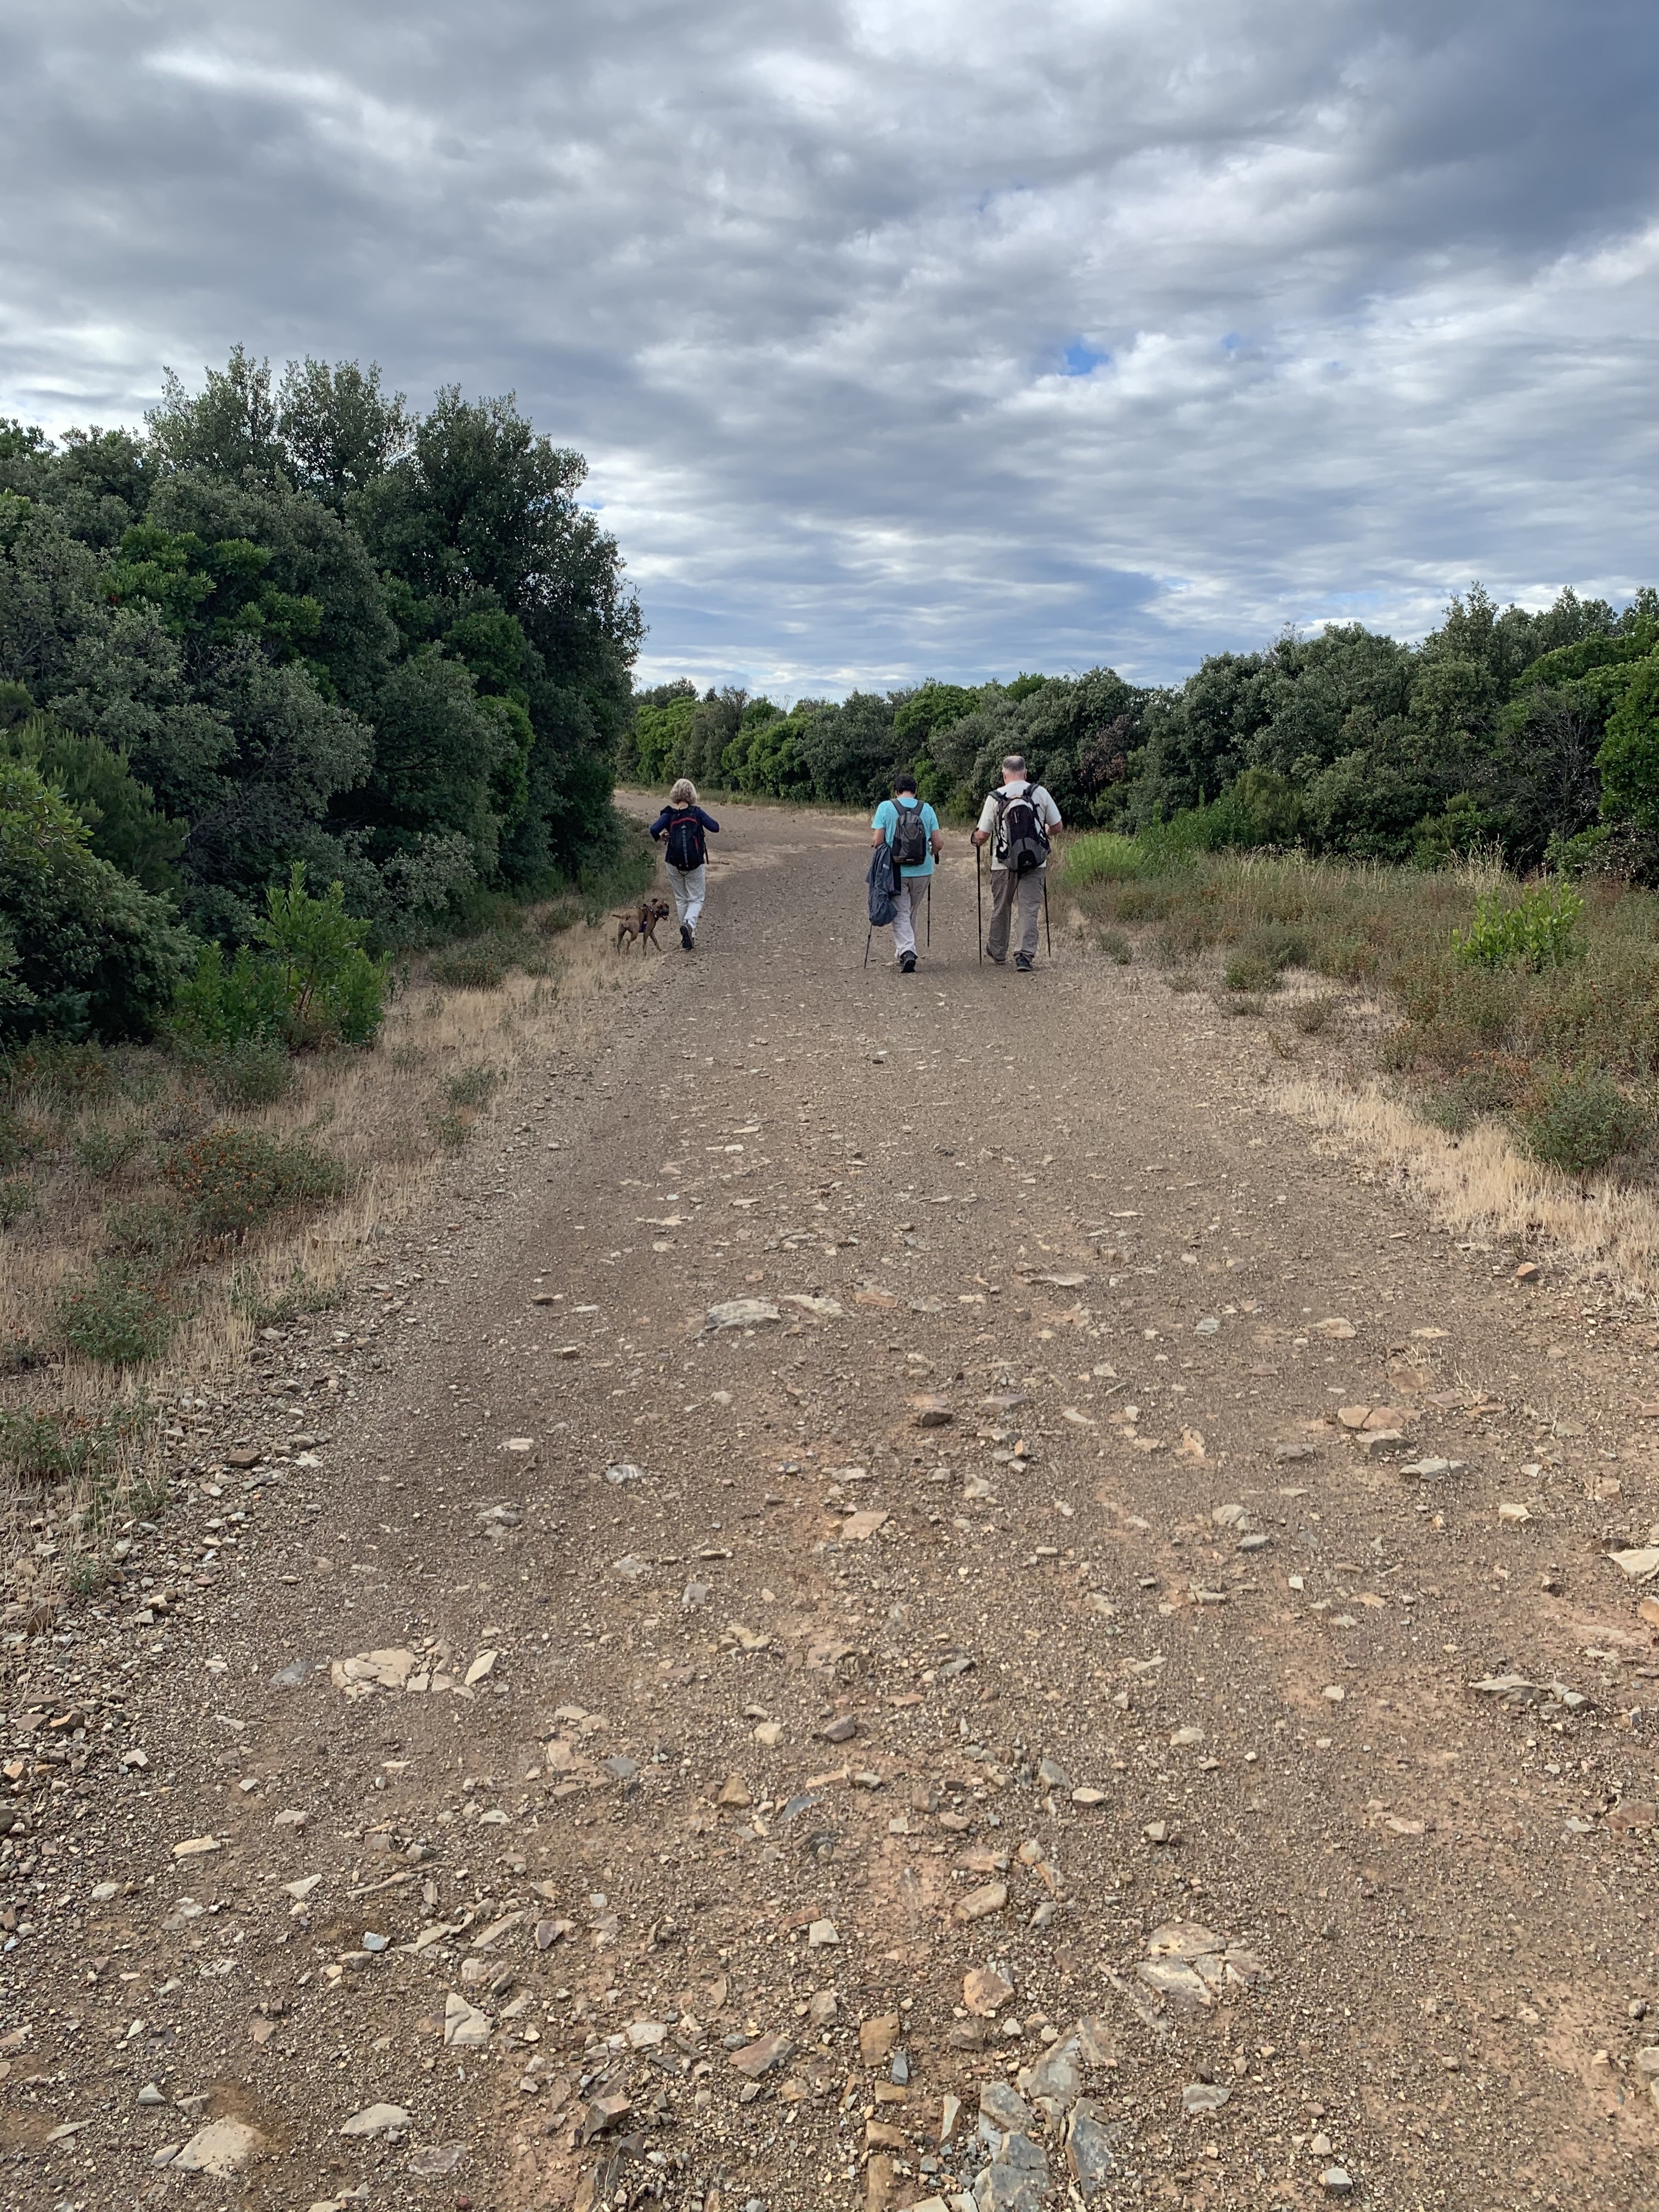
1009, 891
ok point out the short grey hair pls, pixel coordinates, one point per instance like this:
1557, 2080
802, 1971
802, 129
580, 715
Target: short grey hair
1013, 763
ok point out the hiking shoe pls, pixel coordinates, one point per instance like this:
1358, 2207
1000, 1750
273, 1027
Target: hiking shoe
908, 964
1023, 960
686, 938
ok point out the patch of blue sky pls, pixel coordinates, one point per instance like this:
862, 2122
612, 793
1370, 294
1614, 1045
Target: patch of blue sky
1080, 358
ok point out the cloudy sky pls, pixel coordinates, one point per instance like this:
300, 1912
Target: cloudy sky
909, 337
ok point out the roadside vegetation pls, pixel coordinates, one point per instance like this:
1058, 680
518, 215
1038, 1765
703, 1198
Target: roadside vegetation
162, 1204
1535, 1003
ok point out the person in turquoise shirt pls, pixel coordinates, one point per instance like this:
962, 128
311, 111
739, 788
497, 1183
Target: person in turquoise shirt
911, 827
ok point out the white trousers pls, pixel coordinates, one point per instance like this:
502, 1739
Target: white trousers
687, 885
911, 900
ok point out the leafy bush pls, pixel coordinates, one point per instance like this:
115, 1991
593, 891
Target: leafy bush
155, 1229
91, 950
1106, 858
233, 1179
104, 1149
1262, 959
309, 980
473, 1086
1251, 970
49, 1446
17, 1200
226, 1007
68, 1074
1536, 931
1578, 1120
114, 1316
1311, 1016
23, 1136
249, 1075
302, 1296
469, 968
1115, 946
330, 986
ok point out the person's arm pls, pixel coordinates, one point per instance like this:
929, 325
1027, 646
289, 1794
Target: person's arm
708, 821
982, 835
877, 827
934, 836
661, 823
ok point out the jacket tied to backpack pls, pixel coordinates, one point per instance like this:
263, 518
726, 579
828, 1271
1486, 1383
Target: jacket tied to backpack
882, 876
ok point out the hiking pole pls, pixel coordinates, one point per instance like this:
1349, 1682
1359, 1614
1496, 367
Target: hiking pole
930, 911
1046, 930
868, 934
979, 903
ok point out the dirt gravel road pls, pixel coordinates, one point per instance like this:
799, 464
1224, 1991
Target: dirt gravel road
991, 1723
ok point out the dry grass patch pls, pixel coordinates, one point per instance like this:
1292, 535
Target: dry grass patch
154, 1217
1482, 1185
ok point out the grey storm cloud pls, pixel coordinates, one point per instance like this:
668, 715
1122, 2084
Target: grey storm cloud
908, 339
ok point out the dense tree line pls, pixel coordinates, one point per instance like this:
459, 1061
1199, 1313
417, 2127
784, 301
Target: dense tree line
1536, 733
292, 623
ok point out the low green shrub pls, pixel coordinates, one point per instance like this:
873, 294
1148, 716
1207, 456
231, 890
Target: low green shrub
48, 1447
1492, 1084
1116, 946
154, 1230
307, 979
23, 1136
452, 1130
1311, 1016
333, 989
57, 1445
18, 1200
268, 1309
67, 1074
105, 1149
1106, 858
250, 1073
1536, 931
469, 968
232, 1179
473, 1086
1579, 1120
114, 1316
227, 1007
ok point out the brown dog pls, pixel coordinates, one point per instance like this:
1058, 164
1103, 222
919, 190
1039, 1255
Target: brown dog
642, 921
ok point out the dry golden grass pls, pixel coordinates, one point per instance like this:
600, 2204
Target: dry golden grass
384, 1114
1481, 1184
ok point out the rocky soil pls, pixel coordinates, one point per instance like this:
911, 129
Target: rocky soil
903, 1599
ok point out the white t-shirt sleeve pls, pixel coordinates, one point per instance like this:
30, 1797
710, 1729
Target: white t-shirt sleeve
1050, 811
987, 816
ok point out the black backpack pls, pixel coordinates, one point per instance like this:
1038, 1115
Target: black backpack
910, 837
1022, 842
686, 847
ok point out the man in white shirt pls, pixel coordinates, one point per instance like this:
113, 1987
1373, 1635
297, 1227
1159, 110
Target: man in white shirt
1015, 823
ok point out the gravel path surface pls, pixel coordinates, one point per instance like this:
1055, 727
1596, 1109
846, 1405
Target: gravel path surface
873, 1613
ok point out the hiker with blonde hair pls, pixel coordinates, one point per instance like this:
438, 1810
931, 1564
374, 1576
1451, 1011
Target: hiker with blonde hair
683, 824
